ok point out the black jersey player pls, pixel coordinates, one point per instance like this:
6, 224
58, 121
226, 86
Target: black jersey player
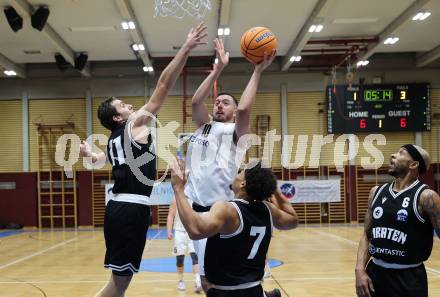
399, 226
127, 213
238, 231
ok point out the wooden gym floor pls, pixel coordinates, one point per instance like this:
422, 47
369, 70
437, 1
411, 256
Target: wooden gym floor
317, 261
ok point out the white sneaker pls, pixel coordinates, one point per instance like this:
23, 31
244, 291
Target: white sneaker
198, 284
181, 286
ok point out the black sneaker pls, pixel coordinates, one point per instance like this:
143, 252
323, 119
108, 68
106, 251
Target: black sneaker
274, 293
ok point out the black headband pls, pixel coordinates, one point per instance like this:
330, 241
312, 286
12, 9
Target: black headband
415, 154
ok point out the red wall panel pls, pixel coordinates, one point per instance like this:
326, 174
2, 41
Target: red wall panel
19, 205
85, 212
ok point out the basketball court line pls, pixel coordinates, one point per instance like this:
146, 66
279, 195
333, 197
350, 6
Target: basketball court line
145, 249
37, 253
352, 242
141, 281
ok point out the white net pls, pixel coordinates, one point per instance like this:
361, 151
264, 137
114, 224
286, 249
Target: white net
178, 8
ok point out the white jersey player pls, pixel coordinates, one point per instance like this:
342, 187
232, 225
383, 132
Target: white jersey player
211, 158
182, 245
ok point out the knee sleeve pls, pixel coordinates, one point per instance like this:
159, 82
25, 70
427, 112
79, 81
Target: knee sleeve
179, 260
194, 258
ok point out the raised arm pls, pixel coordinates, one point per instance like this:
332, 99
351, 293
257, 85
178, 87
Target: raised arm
247, 99
363, 282
283, 214
169, 76
199, 110
170, 219
222, 217
429, 206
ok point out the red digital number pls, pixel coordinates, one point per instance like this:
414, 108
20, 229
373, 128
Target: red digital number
363, 123
402, 122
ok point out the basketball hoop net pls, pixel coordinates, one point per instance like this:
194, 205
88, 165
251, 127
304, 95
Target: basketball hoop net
178, 8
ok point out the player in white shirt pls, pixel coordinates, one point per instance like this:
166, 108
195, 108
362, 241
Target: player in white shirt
211, 158
182, 245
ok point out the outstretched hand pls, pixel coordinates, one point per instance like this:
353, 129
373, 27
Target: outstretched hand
222, 56
195, 36
267, 60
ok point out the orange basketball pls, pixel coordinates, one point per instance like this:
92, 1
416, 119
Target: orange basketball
255, 42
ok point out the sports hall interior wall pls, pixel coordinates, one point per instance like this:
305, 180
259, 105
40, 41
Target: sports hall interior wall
55, 100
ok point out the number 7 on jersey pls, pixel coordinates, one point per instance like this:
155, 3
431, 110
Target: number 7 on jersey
260, 231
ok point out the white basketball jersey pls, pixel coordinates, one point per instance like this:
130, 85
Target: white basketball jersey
213, 162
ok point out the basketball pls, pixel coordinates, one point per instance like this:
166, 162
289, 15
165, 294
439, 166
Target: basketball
255, 42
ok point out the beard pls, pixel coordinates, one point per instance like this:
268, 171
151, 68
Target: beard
219, 118
397, 171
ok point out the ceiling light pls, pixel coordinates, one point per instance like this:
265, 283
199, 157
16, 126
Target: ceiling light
425, 16
362, 63
128, 25
145, 69
150, 69
421, 16
391, 40
316, 28
220, 31
295, 58
216, 61
227, 31
417, 16
138, 47
10, 72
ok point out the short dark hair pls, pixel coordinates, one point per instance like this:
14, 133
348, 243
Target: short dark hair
261, 183
230, 95
106, 111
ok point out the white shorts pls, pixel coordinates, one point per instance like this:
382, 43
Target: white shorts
182, 243
200, 246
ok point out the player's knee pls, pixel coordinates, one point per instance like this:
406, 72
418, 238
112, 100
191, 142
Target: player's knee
179, 260
194, 258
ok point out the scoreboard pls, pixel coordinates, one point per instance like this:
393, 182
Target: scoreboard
379, 108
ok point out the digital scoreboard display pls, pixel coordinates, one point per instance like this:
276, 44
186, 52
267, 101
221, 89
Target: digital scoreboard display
379, 108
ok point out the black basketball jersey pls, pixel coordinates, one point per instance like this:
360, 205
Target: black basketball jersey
239, 258
125, 180
399, 234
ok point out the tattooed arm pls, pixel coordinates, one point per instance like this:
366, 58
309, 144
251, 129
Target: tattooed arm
429, 207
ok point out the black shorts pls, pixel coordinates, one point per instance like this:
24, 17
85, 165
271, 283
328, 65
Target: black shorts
256, 291
409, 282
125, 232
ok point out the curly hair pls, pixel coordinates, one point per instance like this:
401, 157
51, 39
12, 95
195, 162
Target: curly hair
261, 183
